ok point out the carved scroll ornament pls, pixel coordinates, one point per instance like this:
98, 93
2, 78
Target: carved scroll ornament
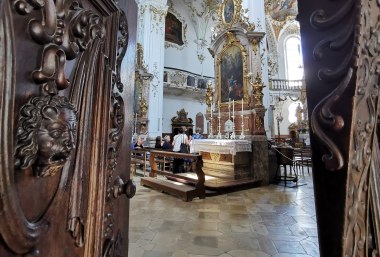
324, 120
65, 29
362, 229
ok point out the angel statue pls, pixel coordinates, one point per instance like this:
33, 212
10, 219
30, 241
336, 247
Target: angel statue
209, 95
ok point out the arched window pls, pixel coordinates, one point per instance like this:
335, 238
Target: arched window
292, 118
293, 58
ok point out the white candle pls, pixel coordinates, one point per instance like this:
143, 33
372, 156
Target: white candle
135, 121
229, 108
242, 107
233, 108
218, 110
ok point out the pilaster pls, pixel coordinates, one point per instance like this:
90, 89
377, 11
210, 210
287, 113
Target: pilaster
151, 36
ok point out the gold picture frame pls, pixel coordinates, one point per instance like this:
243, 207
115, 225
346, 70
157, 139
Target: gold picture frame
231, 67
229, 12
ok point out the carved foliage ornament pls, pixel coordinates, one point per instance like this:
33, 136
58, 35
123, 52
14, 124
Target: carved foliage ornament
324, 120
231, 14
115, 185
46, 132
362, 234
65, 29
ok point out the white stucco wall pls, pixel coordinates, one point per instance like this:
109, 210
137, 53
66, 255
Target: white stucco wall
172, 105
187, 59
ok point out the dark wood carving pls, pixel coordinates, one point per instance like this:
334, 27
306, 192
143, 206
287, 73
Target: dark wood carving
46, 134
62, 127
16, 231
341, 49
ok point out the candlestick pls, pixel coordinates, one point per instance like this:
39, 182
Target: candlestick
229, 108
233, 136
242, 120
219, 134
210, 135
135, 134
233, 108
218, 109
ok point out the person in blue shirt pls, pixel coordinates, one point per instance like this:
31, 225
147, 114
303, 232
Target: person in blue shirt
197, 134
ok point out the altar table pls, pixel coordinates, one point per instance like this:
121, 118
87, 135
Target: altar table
228, 159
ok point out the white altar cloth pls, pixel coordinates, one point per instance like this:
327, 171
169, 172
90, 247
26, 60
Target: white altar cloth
220, 146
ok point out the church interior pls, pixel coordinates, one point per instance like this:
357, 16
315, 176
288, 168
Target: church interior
234, 70
189, 128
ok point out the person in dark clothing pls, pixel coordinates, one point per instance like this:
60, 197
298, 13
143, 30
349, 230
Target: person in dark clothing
167, 145
158, 142
139, 143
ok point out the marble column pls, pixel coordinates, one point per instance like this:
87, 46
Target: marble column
151, 36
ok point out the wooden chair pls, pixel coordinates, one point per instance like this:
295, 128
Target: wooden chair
303, 157
285, 159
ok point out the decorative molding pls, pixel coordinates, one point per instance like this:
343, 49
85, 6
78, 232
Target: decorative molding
272, 49
157, 19
184, 28
323, 119
63, 38
115, 139
183, 83
232, 40
361, 231
18, 234
239, 19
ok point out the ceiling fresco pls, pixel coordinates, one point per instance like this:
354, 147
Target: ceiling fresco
280, 10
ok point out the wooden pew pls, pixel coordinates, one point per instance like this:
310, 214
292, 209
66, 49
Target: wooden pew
139, 157
192, 182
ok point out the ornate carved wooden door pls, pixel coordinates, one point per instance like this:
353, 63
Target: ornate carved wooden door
341, 47
65, 130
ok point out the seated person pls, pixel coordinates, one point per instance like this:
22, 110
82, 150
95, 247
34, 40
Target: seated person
167, 145
139, 146
139, 143
159, 142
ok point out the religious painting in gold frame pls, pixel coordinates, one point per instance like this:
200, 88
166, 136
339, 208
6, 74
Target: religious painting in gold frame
231, 65
229, 12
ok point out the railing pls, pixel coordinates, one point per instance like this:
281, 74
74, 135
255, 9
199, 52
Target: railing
285, 85
196, 167
185, 79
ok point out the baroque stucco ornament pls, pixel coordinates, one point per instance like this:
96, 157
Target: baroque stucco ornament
46, 134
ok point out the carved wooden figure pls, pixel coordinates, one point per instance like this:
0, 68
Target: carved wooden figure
63, 120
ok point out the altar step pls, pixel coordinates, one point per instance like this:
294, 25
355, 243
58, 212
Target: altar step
183, 191
216, 183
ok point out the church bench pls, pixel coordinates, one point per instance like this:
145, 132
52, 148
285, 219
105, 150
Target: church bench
139, 157
193, 183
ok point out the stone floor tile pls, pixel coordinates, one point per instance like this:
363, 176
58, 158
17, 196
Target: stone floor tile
156, 254
180, 254
310, 247
256, 222
267, 246
289, 247
245, 253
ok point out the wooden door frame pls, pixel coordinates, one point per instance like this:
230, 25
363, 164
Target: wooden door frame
340, 51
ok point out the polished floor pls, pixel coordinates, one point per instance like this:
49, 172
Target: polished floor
267, 221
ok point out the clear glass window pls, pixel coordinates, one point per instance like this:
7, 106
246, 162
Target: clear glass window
292, 118
293, 56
